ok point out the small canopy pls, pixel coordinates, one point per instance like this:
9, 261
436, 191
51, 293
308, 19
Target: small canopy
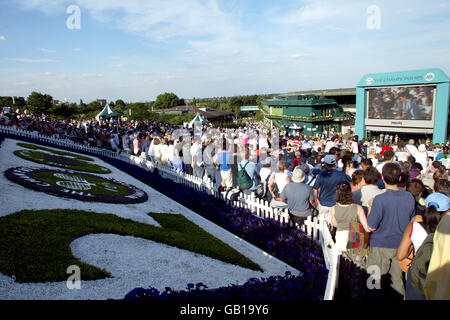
107, 112
296, 126
198, 119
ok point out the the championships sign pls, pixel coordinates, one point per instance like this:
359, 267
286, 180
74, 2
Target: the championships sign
80, 186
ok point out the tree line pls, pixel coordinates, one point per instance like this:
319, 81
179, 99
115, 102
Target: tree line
39, 103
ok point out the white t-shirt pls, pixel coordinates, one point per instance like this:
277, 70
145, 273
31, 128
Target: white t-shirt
280, 180
422, 158
169, 152
196, 150
264, 173
412, 149
354, 147
330, 144
417, 236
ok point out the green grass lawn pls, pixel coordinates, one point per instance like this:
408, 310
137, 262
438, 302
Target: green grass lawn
61, 153
35, 245
98, 185
66, 163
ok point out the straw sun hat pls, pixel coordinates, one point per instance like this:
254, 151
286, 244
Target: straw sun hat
298, 175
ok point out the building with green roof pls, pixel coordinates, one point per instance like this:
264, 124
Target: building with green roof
308, 113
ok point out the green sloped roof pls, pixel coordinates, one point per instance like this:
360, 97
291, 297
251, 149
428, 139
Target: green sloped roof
108, 112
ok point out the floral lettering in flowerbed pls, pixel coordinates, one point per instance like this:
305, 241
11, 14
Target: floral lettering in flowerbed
60, 161
80, 186
35, 244
288, 244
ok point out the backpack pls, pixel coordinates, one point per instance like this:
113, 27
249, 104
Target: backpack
244, 180
419, 266
262, 188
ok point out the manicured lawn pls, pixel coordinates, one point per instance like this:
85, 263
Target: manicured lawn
35, 245
60, 161
97, 185
62, 153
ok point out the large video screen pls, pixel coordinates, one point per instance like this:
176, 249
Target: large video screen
401, 103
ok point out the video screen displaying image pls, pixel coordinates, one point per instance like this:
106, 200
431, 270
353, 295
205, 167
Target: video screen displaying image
401, 103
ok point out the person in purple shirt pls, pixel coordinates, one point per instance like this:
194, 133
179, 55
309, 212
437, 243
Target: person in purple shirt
389, 214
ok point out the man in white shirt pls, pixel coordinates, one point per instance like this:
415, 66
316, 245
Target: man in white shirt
330, 144
411, 148
354, 146
197, 157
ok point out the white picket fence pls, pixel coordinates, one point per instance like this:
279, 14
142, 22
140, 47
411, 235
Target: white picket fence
315, 228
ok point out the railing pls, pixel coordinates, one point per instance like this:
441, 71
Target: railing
316, 228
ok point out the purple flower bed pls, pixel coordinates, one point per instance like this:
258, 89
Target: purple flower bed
287, 287
280, 240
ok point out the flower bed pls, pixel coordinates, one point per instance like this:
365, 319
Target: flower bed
280, 240
80, 186
60, 161
287, 287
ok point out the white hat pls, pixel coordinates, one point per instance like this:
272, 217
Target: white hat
298, 175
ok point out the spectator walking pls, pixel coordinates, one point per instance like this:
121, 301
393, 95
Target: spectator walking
250, 169
299, 197
325, 186
389, 214
414, 236
437, 283
197, 157
342, 214
223, 160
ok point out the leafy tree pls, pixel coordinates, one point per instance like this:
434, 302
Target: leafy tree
39, 103
167, 100
20, 102
6, 102
120, 105
63, 110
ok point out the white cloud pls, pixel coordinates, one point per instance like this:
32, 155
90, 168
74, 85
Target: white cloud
28, 60
47, 50
2, 38
116, 66
91, 75
76, 49
333, 28
48, 73
298, 55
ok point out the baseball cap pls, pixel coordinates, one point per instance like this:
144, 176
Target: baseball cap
304, 167
440, 201
329, 159
357, 159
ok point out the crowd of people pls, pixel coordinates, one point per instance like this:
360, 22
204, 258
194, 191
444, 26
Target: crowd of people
386, 200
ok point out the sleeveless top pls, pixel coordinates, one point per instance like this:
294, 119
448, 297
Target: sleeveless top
345, 214
417, 236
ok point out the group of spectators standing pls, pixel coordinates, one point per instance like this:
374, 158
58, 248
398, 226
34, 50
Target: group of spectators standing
397, 191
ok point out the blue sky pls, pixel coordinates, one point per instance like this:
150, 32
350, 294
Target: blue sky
134, 50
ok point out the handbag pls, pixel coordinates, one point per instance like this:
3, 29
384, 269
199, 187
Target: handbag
357, 236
